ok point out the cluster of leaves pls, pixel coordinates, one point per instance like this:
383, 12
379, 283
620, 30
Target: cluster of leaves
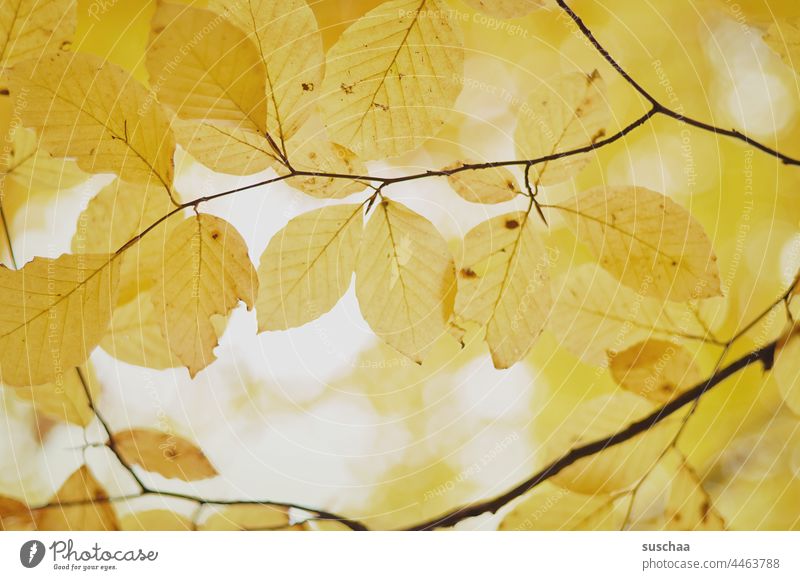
244, 87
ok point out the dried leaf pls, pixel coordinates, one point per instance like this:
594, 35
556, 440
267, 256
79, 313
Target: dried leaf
504, 284
325, 157
163, 453
307, 266
53, 312
405, 279
30, 28
392, 78
646, 240
96, 514
568, 112
206, 271
490, 185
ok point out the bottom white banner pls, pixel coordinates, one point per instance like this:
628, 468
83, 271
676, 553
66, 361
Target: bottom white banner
388, 555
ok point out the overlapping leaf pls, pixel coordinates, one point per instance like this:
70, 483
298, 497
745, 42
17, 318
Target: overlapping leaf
29, 28
164, 453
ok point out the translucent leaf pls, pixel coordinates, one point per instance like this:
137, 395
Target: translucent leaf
65, 401
392, 78
94, 515
135, 335
490, 185
618, 467
646, 240
154, 520
225, 148
689, 506
594, 316
504, 284
53, 312
118, 213
206, 271
655, 369
506, 8
213, 75
567, 112
326, 157
15, 516
308, 266
93, 110
405, 279
163, 453
288, 41
247, 517
29, 28
549, 507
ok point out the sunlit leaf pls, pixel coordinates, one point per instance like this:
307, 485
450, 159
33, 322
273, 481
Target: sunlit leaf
85, 506
29, 28
164, 453
490, 185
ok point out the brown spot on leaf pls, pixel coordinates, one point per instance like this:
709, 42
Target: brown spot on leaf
382, 107
4, 92
599, 135
348, 89
308, 86
214, 235
468, 273
512, 224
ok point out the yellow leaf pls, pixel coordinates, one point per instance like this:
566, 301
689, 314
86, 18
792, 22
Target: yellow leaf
392, 78
568, 112
504, 284
205, 68
163, 453
288, 41
655, 369
594, 316
224, 148
649, 242
53, 312
689, 506
114, 216
96, 514
549, 507
15, 516
618, 467
247, 517
307, 266
325, 157
404, 279
786, 373
66, 401
28, 173
135, 335
490, 185
93, 110
506, 8
783, 37
29, 28
206, 271
154, 520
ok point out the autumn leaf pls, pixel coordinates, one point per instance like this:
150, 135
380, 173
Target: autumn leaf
15, 516
246, 517
689, 506
224, 148
392, 78
88, 108
205, 68
568, 112
30, 28
53, 312
116, 215
783, 37
314, 156
404, 279
93, 515
655, 369
549, 507
290, 47
595, 317
649, 242
164, 453
488, 185
506, 8
154, 520
205, 271
504, 284
308, 266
